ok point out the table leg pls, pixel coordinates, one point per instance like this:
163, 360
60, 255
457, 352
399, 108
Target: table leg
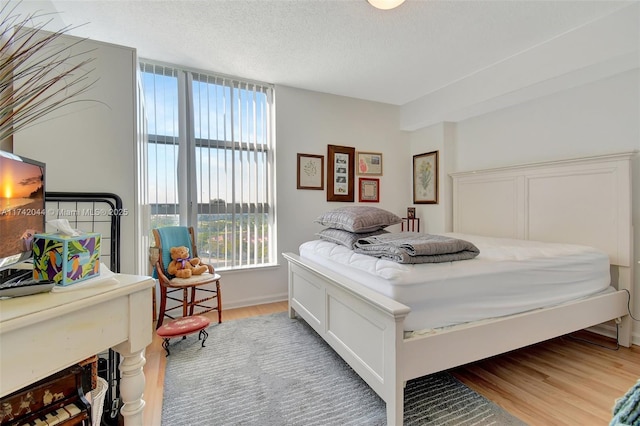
131, 385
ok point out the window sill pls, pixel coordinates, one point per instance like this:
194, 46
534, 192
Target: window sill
248, 268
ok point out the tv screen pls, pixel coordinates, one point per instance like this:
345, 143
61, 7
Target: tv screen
22, 206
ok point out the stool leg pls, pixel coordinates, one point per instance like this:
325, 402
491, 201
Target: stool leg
165, 345
203, 334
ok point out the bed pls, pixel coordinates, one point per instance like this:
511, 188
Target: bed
580, 201
507, 277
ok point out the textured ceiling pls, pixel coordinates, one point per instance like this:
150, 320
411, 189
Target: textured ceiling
343, 47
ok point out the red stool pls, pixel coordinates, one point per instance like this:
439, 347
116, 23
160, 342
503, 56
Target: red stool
182, 327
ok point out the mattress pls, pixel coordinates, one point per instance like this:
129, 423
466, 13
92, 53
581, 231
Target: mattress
509, 276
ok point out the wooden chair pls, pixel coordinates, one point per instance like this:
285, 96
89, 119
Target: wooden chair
189, 292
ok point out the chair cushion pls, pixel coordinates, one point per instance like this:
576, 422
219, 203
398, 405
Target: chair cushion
203, 278
183, 326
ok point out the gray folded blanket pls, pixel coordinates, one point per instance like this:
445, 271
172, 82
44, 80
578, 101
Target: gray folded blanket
415, 247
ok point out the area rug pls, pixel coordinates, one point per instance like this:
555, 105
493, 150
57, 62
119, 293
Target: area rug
274, 371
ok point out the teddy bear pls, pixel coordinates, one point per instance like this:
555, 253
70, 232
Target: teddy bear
183, 266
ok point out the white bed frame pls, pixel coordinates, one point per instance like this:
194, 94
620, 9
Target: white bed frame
584, 201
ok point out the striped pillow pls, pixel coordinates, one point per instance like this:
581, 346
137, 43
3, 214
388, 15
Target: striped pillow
345, 238
359, 219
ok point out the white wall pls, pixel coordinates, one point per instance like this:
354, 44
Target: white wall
597, 118
435, 218
591, 52
89, 146
306, 122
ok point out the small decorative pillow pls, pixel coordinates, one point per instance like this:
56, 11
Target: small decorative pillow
359, 219
345, 238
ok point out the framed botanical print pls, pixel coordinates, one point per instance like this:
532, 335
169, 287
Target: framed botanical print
340, 173
369, 163
369, 190
425, 178
310, 171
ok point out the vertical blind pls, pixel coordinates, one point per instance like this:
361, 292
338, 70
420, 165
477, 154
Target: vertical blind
160, 85
212, 161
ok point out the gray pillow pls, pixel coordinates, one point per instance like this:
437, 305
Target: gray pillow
358, 219
345, 238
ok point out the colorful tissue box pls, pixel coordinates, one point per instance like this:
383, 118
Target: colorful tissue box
65, 259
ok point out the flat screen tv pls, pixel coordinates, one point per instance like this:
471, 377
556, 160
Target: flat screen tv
22, 207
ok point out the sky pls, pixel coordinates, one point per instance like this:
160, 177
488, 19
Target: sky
220, 114
17, 179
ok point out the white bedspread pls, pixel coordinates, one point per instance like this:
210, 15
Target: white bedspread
507, 277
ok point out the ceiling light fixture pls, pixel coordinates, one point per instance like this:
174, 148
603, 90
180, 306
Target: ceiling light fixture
385, 4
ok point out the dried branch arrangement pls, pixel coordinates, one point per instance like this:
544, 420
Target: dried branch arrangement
39, 73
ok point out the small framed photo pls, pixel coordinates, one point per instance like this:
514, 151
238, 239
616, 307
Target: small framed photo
310, 171
411, 212
369, 190
369, 163
425, 178
340, 174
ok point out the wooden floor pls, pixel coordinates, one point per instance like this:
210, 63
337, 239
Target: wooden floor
559, 382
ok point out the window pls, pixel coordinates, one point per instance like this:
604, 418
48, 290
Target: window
211, 162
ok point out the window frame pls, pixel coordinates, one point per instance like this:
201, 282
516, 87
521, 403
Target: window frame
188, 208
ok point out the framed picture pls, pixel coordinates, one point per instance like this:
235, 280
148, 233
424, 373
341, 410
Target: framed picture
425, 178
340, 173
369, 163
369, 190
411, 212
310, 171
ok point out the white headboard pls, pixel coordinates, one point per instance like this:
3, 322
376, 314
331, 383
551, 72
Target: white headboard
581, 201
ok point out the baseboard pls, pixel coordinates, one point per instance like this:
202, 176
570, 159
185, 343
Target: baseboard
610, 331
253, 301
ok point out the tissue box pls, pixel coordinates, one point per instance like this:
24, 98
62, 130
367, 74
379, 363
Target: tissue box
65, 259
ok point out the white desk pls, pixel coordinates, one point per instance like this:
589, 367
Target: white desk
45, 333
